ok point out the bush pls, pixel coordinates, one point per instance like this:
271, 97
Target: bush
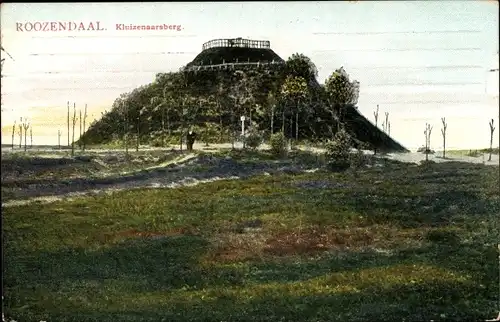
278, 143
443, 237
253, 139
357, 160
338, 150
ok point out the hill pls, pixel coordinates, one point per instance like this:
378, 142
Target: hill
230, 78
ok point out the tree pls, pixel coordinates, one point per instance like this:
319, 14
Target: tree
341, 91
271, 101
427, 133
13, 133
26, 126
492, 130
443, 132
164, 103
125, 113
138, 134
80, 128
299, 65
240, 95
375, 114
294, 89
74, 124
158, 105
386, 126
221, 94
68, 122
84, 120
20, 132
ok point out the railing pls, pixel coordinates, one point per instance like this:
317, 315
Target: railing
232, 65
237, 42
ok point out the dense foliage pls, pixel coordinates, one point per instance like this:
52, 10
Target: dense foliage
277, 98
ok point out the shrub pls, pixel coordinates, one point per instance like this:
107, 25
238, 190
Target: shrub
253, 139
443, 237
338, 150
357, 160
278, 143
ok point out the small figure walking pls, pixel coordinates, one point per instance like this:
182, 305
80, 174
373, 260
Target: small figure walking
191, 137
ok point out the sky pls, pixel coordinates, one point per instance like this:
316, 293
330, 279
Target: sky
418, 60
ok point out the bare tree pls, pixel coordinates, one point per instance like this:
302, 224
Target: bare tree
124, 111
84, 120
20, 133
74, 125
272, 102
59, 133
26, 126
80, 137
297, 121
375, 114
443, 132
31, 137
385, 125
427, 132
138, 140
492, 130
13, 133
68, 124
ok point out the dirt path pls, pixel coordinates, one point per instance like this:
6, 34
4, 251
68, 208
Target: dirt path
183, 170
192, 170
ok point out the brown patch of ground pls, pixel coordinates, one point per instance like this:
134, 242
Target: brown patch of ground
240, 247
316, 240
236, 247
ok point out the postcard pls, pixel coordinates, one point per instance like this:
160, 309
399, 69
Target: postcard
355, 145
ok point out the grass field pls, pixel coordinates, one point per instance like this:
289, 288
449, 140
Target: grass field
395, 242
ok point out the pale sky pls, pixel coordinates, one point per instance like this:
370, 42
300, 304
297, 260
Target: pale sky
419, 60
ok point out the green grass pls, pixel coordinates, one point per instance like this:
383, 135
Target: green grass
400, 242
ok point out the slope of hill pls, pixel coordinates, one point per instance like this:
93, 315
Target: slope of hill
213, 99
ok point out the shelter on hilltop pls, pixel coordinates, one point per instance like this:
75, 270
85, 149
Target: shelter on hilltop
235, 52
